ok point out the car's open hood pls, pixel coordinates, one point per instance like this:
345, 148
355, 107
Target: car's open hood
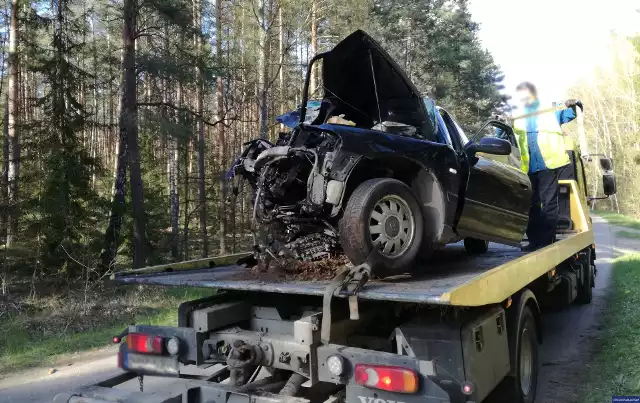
348, 80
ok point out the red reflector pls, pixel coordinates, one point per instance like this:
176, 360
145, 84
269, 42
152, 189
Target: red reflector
142, 343
393, 379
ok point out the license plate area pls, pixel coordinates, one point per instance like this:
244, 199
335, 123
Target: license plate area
149, 364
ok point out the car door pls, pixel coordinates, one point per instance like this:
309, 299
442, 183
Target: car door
498, 193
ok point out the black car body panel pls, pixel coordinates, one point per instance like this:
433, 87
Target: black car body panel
383, 146
497, 202
366, 85
385, 150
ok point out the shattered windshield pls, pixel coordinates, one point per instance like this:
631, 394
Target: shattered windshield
292, 118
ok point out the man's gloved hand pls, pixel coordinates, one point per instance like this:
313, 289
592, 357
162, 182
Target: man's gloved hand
572, 103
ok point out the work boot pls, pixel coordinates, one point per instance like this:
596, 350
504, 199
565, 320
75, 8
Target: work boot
530, 248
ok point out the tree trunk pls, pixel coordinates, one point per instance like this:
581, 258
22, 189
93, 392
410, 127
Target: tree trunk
110, 130
13, 127
129, 124
128, 152
263, 68
94, 129
174, 195
283, 91
313, 85
112, 234
222, 143
5, 193
202, 197
187, 196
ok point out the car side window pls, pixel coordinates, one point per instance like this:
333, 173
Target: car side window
443, 130
490, 131
504, 134
459, 139
497, 132
501, 131
463, 136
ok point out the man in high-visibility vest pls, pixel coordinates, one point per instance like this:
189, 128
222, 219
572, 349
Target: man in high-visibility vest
544, 156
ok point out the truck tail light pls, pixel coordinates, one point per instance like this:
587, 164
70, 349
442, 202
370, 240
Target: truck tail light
143, 343
393, 379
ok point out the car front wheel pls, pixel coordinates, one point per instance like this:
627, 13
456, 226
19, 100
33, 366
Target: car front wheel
382, 213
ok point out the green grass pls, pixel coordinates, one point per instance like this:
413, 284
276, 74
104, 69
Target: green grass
615, 370
628, 234
46, 335
619, 219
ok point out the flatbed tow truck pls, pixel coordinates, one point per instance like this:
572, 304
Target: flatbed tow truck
450, 334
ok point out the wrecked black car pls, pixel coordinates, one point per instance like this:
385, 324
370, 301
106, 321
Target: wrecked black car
378, 170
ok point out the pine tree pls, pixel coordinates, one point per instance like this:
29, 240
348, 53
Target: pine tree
63, 214
437, 43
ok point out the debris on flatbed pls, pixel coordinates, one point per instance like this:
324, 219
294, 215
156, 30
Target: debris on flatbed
296, 270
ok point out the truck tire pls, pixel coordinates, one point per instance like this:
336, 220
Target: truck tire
521, 386
382, 213
476, 246
585, 288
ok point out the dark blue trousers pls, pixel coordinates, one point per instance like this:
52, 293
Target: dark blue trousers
543, 216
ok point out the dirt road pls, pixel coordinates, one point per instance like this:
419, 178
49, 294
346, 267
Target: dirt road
569, 335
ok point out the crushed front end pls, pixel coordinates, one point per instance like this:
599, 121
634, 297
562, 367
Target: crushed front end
295, 199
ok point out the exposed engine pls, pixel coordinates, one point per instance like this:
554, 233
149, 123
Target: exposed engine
289, 181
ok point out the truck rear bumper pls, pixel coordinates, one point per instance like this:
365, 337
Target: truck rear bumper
203, 389
189, 391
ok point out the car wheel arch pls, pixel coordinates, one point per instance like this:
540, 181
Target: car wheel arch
422, 180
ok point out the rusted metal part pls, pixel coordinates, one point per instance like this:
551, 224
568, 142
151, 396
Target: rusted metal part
242, 361
210, 262
292, 387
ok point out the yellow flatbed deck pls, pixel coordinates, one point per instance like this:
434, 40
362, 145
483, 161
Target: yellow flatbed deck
452, 277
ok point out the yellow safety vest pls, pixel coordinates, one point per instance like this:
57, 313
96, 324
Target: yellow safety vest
550, 140
569, 144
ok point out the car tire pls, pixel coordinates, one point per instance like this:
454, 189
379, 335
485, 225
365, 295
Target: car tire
382, 213
476, 246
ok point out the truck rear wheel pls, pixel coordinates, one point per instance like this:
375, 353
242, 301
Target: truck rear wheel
585, 288
382, 213
521, 387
